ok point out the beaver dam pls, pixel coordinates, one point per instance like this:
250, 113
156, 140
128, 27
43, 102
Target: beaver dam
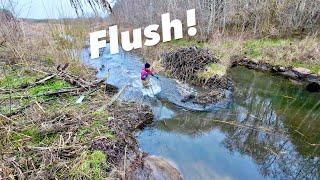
262, 127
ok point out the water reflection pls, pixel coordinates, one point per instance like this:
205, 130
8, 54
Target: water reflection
273, 131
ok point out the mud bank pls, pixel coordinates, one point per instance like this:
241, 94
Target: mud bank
123, 150
127, 119
299, 74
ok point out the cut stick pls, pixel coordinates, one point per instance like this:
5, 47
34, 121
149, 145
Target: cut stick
43, 80
115, 97
5, 117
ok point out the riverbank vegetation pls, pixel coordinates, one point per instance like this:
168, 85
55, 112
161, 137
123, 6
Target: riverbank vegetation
53, 114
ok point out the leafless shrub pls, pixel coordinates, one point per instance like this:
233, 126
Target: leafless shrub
10, 30
261, 18
102, 4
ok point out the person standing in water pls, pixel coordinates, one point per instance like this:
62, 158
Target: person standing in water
145, 75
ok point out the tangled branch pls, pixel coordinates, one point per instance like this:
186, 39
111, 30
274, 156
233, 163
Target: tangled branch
102, 4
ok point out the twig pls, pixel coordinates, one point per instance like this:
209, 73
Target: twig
41, 81
55, 148
125, 162
5, 117
115, 97
10, 101
313, 144
39, 106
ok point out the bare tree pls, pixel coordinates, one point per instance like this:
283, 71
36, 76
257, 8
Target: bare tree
259, 17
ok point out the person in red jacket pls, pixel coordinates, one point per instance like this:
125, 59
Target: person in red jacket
145, 75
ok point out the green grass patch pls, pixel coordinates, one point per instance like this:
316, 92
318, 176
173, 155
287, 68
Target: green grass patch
212, 70
91, 165
266, 43
284, 52
33, 137
254, 48
95, 129
48, 60
315, 68
17, 78
51, 85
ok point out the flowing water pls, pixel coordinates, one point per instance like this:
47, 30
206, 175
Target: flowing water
268, 129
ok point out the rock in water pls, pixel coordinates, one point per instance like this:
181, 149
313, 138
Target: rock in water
156, 168
313, 87
302, 71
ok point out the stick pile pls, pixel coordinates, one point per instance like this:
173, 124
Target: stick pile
186, 63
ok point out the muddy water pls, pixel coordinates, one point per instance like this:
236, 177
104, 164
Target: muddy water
270, 129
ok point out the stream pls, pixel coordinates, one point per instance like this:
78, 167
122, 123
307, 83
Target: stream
269, 128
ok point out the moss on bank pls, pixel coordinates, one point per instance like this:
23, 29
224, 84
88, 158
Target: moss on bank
90, 165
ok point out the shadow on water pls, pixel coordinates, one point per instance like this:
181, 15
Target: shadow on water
272, 129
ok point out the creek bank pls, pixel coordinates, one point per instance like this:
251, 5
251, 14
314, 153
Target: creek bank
299, 74
127, 119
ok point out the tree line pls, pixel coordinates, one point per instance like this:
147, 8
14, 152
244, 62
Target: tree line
273, 18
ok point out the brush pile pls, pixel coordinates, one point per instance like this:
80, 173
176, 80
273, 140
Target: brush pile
186, 63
